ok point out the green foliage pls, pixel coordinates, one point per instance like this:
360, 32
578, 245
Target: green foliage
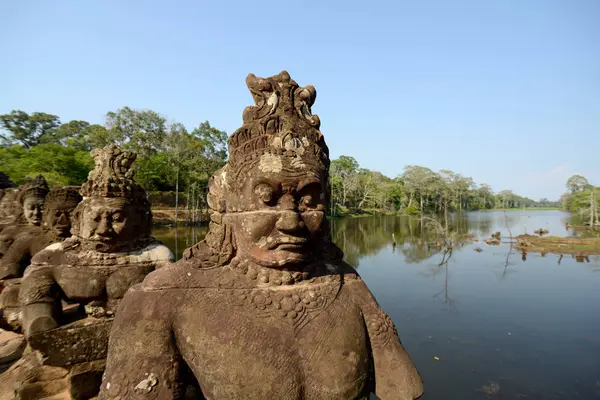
169, 157
577, 183
411, 210
584, 199
60, 165
29, 130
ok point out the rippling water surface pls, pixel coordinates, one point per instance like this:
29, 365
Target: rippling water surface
485, 325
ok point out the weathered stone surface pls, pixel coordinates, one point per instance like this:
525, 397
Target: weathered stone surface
111, 248
22, 212
55, 227
85, 379
11, 347
71, 290
264, 307
29, 379
81, 341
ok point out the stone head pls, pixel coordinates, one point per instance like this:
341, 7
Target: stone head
58, 208
114, 210
9, 205
272, 195
32, 198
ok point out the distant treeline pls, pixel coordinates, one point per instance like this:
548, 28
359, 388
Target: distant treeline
171, 158
418, 190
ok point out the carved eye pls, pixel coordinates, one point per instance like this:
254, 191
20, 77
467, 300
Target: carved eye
265, 193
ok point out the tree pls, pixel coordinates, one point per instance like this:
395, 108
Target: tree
141, 131
209, 149
81, 135
343, 171
577, 183
368, 182
29, 130
418, 182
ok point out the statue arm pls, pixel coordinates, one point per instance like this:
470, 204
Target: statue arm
396, 377
143, 361
16, 259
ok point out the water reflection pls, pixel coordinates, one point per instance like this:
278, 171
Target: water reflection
495, 324
179, 238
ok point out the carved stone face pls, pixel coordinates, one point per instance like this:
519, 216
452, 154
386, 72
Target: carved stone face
32, 209
111, 220
282, 221
7, 204
58, 218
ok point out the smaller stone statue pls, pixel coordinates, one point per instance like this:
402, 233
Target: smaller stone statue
24, 212
10, 213
9, 209
110, 250
70, 292
5, 183
56, 227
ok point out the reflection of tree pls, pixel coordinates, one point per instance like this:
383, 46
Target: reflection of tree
359, 237
447, 300
179, 238
435, 270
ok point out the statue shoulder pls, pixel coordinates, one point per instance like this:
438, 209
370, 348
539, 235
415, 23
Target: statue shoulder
344, 270
185, 274
50, 254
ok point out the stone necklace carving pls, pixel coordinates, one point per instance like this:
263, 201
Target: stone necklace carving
294, 297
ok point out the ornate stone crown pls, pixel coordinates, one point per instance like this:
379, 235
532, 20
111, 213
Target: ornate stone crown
36, 187
279, 132
66, 195
112, 176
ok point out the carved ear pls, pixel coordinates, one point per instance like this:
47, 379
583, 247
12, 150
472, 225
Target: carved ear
217, 190
76, 218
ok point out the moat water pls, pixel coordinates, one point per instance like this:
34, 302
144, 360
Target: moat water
485, 325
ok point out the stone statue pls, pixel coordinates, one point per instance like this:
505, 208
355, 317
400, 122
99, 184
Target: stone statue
24, 212
264, 307
110, 250
70, 292
6, 187
56, 227
9, 215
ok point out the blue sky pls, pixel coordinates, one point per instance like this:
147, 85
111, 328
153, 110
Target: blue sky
505, 91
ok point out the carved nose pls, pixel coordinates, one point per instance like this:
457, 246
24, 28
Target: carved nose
63, 219
289, 222
287, 202
104, 228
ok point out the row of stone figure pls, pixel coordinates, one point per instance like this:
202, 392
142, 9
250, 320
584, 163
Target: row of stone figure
68, 256
263, 308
